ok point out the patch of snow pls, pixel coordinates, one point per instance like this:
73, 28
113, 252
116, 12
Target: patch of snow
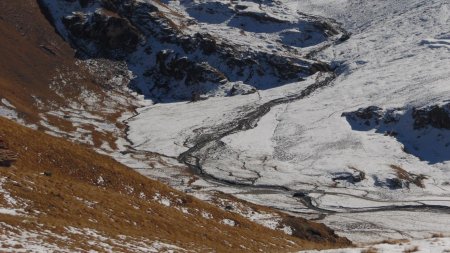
7, 103
100, 180
162, 199
12, 206
422, 246
228, 222
206, 215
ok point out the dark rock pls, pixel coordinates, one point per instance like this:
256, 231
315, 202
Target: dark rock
240, 7
76, 24
328, 28
114, 32
300, 195
415, 128
172, 72
365, 116
261, 17
7, 157
435, 116
85, 3
202, 62
391, 133
369, 112
349, 177
207, 43
107, 30
391, 183
396, 183
319, 67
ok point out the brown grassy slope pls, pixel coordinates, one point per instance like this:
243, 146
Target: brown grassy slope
33, 57
121, 203
26, 64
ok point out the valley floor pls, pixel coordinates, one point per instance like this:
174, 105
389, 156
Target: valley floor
304, 157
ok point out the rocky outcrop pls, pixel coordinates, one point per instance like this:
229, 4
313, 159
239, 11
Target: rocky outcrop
7, 157
368, 116
435, 116
261, 17
422, 130
173, 57
109, 33
173, 74
352, 178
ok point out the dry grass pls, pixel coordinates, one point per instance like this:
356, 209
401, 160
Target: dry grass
437, 235
411, 249
409, 177
394, 241
301, 228
32, 55
370, 250
119, 207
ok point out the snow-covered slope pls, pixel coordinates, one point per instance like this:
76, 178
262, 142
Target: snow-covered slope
189, 50
387, 178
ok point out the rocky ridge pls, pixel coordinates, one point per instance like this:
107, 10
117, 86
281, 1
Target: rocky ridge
173, 55
422, 130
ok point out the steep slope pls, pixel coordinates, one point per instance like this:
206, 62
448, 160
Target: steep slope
183, 52
43, 84
60, 196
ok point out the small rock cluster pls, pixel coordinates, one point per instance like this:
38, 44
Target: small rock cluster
437, 116
7, 157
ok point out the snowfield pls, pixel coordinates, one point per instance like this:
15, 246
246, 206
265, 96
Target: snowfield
422, 246
304, 156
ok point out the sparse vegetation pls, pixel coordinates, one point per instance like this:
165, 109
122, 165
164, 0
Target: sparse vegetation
411, 249
395, 241
437, 235
402, 174
370, 250
362, 174
71, 186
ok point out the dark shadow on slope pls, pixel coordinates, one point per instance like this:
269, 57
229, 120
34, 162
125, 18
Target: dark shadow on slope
302, 39
297, 34
424, 132
170, 65
257, 22
210, 12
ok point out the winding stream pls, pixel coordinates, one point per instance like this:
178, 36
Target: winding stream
196, 153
